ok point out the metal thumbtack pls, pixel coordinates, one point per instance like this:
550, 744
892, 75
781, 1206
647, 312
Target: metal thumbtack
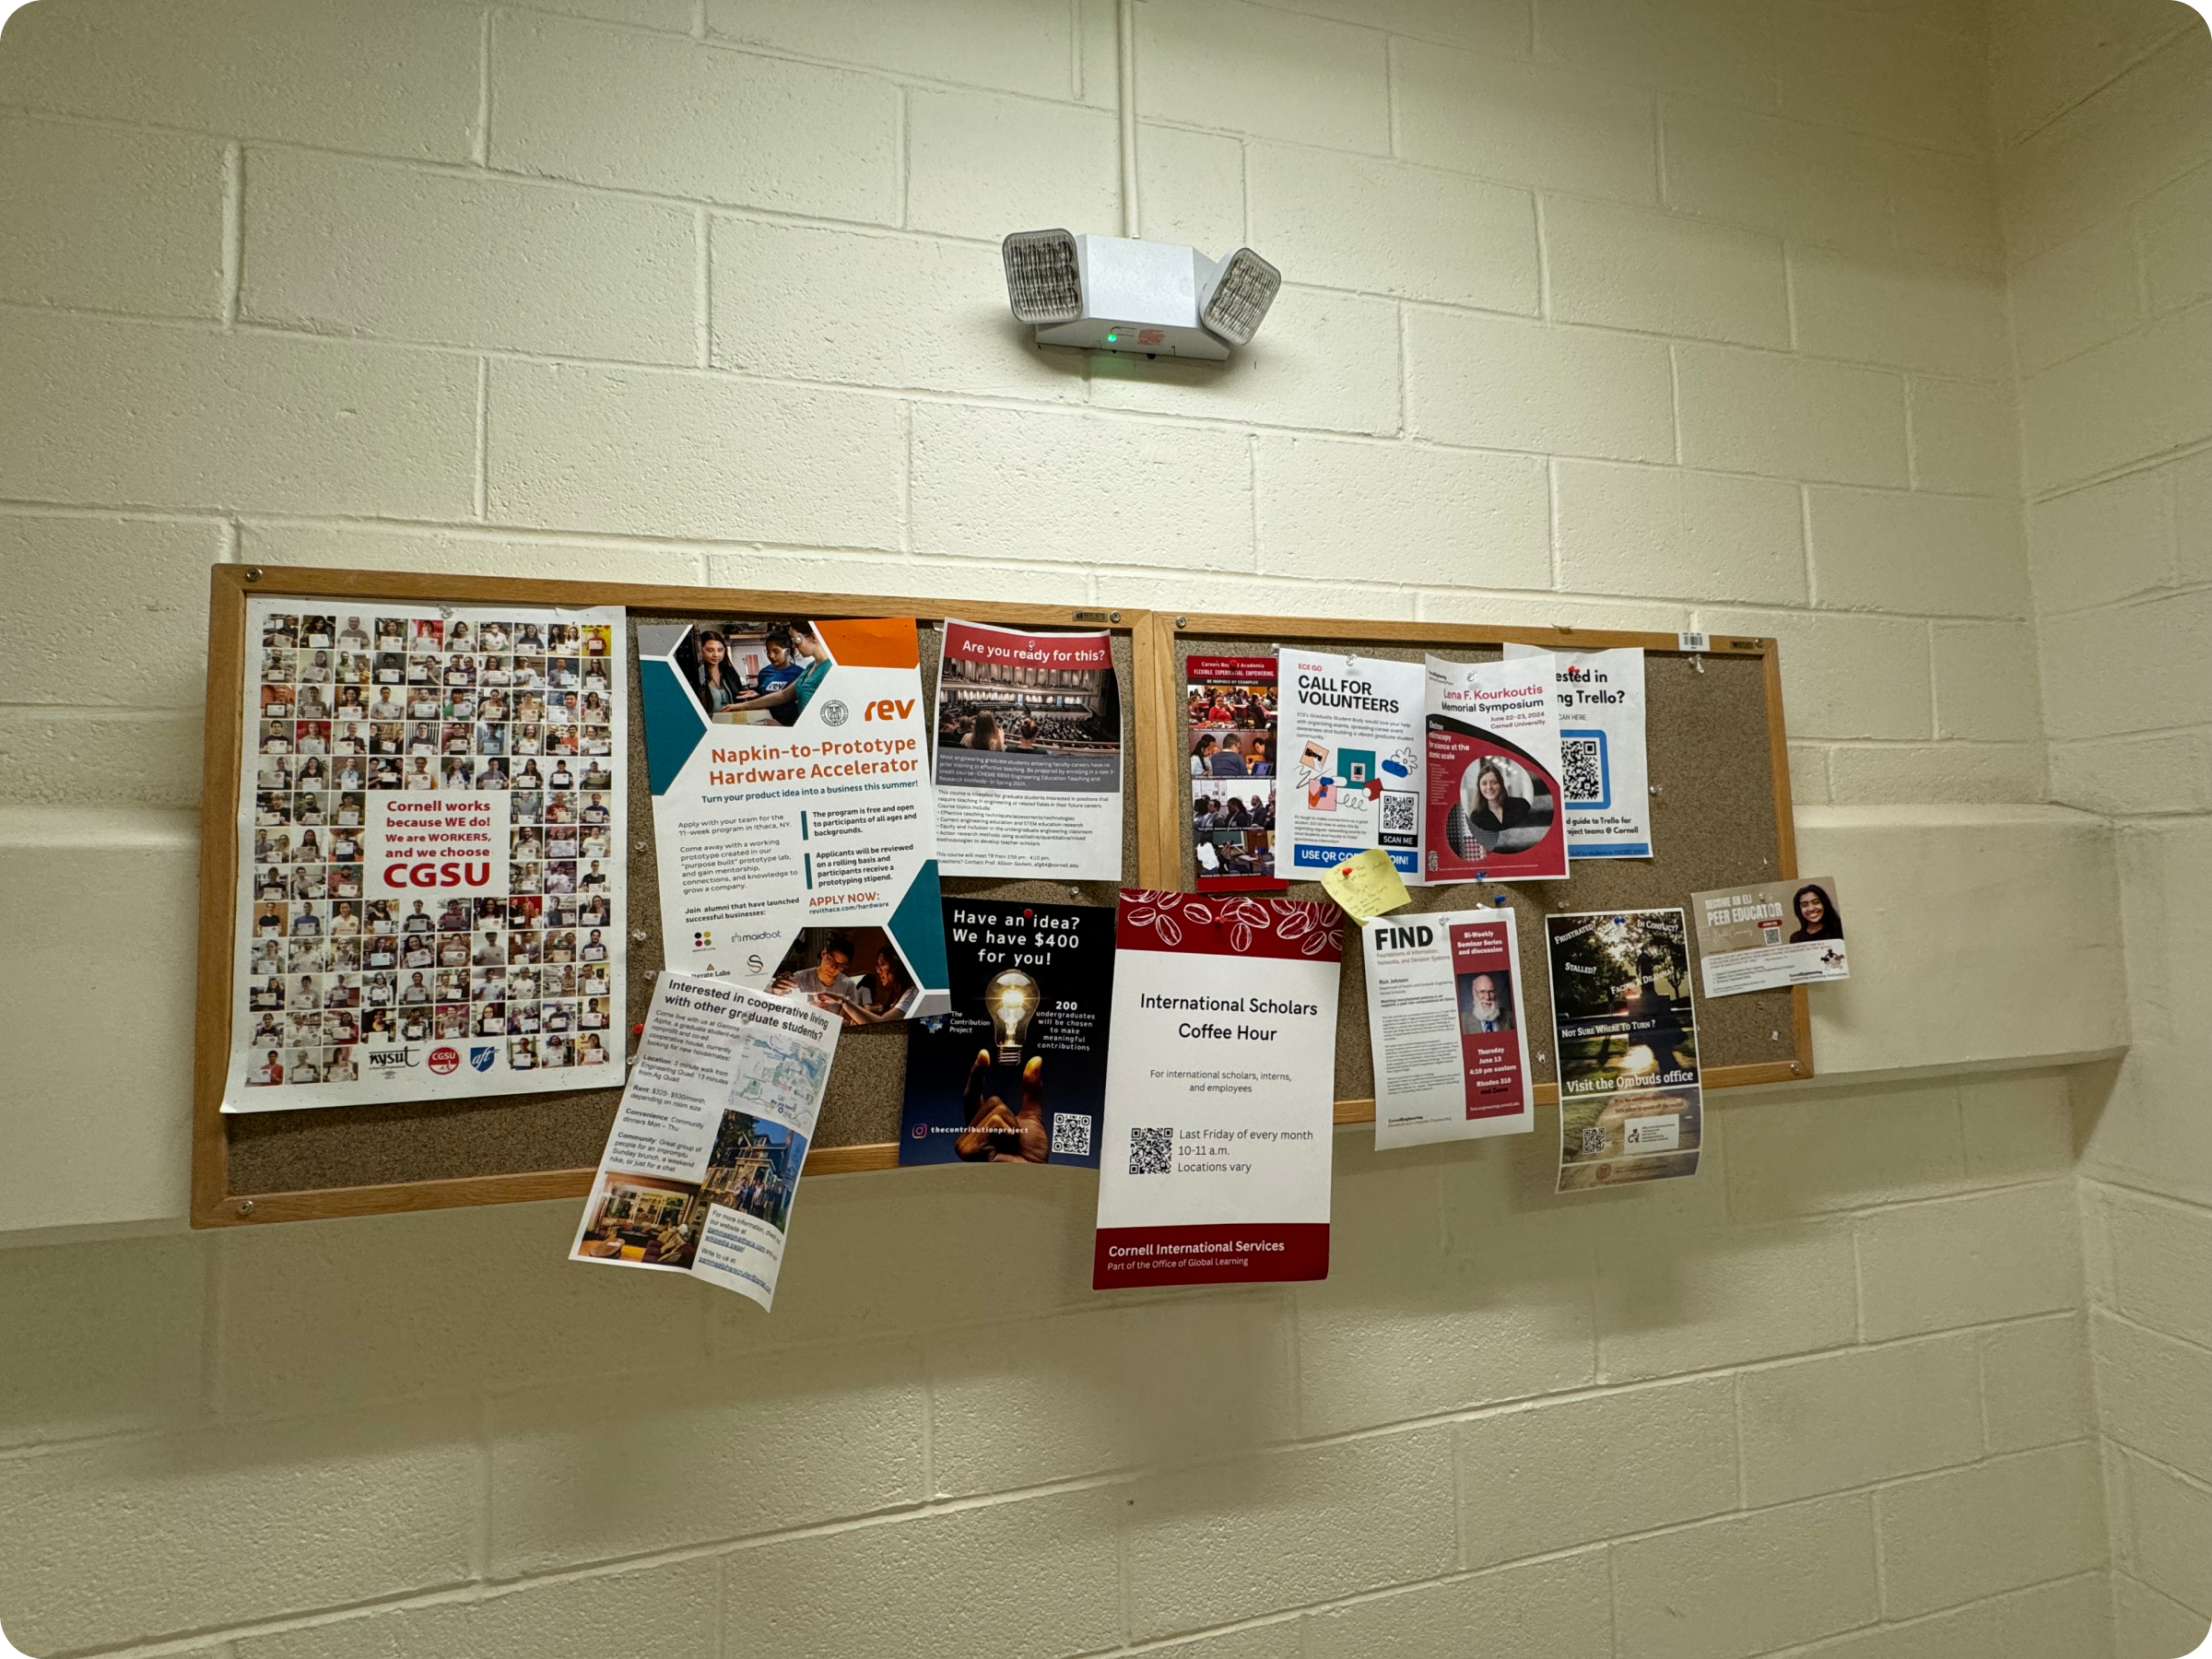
253, 573
1182, 621
1698, 662
245, 1206
639, 936
1074, 892
639, 846
1114, 617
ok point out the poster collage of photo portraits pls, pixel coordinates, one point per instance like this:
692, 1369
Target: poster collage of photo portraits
431, 825
1230, 708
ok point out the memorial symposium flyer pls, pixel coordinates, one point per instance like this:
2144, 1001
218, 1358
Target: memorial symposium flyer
1028, 755
704, 1158
1604, 774
1493, 808
1630, 1106
1444, 1019
430, 868
1216, 1162
1349, 729
794, 831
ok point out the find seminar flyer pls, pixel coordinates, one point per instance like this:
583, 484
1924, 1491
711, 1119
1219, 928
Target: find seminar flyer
1216, 1161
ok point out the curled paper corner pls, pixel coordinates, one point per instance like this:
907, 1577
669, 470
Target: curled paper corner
8, 8
8, 1649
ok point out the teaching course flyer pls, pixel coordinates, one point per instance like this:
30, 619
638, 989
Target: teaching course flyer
794, 831
1028, 755
431, 872
1216, 1162
1626, 1031
1228, 704
1769, 934
1493, 770
1443, 1015
1605, 772
1350, 730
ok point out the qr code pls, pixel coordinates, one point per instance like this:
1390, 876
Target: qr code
1401, 812
1594, 1141
1071, 1134
1151, 1151
1581, 769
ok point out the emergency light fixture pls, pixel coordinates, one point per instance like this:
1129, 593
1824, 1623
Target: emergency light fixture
1111, 293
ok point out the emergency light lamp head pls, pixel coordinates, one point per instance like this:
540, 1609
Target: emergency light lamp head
1111, 293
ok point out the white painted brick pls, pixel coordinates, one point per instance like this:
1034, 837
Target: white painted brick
2169, 1526
1423, 514
2018, 1126
118, 1342
1498, 25
810, 303
2154, 1395
1969, 1260
1020, 45
1829, 1151
741, 1449
1545, 610
478, 552
1537, 1611
1746, 1294
613, 106
1746, 168
1808, 775
1663, 273
1881, 75
1525, 123
675, 1609
1985, 687
1965, 437
108, 218
84, 758
2068, 1619
2121, 402
1945, 208
1287, 1528
335, 245
66, 611
2161, 1265
1762, 412
1417, 233
2005, 1524
1843, 676
1323, 359
1507, 1325
1004, 482
133, 411
2145, 129
888, 1589
2193, 518
1326, 83
1849, 1420
1732, 1588
1904, 313
2047, 55
2172, 772
1158, 590
122, 1541
2110, 541
1495, 383
2099, 681
1670, 1456
1277, 1640
2176, 236
396, 78
670, 17
2148, 1624
1645, 530
1719, 48
1908, 774
1888, 550
2035, 1384
638, 450
981, 165
1020, 1405
2078, 294
1190, 188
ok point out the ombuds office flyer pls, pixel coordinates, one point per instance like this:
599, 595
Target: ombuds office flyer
1221, 1066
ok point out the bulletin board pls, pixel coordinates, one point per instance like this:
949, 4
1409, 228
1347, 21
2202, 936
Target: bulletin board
1717, 753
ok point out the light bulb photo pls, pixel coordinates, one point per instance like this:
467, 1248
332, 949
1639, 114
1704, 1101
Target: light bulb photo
1012, 998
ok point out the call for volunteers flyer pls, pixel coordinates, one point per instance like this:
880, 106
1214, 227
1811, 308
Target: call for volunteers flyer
1492, 808
1220, 1071
1443, 1016
1630, 1107
1350, 730
1765, 934
794, 832
703, 1160
1604, 774
1229, 710
430, 871
1028, 755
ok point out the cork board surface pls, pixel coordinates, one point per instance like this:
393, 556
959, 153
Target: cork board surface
1712, 824
509, 1134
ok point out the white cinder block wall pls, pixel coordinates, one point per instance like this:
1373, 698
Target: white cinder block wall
1692, 314
2105, 164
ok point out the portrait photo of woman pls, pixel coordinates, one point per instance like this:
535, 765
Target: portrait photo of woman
1817, 917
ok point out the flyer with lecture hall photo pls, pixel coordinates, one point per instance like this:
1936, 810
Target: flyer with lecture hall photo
789, 762
1767, 934
704, 1158
1217, 1157
1028, 755
1349, 729
430, 853
1605, 774
1016, 1072
1444, 1019
1626, 1032
1492, 808
1229, 705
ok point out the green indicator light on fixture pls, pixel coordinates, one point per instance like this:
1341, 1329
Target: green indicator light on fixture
1112, 339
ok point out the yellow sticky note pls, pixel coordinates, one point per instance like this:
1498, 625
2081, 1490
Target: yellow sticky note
1366, 885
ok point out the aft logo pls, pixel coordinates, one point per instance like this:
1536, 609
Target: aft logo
481, 1058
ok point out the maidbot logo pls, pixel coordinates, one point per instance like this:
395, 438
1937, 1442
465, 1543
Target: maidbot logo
444, 1060
834, 712
702, 940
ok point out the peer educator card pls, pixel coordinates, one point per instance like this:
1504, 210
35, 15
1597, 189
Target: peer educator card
1443, 1015
1216, 1158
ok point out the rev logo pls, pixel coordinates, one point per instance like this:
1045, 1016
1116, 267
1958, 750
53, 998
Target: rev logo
888, 708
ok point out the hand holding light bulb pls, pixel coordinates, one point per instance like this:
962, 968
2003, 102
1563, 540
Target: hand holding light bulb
996, 1133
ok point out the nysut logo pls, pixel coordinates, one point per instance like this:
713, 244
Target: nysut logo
481, 1058
444, 1060
834, 712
